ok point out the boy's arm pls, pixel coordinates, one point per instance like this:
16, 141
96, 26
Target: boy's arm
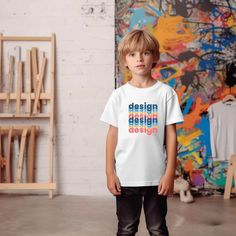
166, 185
113, 182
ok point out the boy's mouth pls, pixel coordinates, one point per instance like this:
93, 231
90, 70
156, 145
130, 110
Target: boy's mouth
140, 66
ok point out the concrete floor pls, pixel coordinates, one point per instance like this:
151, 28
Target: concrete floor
22, 215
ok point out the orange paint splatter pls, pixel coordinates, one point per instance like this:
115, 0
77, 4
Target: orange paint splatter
188, 166
173, 33
180, 92
191, 119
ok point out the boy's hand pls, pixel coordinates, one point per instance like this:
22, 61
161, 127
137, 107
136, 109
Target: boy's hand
113, 184
166, 186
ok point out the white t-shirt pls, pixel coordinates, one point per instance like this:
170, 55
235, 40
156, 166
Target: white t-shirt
222, 130
141, 115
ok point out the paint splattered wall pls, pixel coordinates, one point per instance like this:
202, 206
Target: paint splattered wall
197, 43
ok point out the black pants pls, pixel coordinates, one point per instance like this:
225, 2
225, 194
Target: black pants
129, 206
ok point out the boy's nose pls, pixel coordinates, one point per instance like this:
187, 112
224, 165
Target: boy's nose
139, 57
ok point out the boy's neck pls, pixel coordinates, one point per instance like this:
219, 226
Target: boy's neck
142, 81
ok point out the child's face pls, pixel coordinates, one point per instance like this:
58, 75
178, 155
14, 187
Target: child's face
139, 63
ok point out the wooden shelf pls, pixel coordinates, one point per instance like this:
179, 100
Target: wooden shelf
16, 129
7, 116
26, 38
28, 186
32, 103
24, 96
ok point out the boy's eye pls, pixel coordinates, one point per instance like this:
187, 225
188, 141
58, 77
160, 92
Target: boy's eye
147, 53
132, 54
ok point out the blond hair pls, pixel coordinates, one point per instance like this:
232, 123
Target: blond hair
137, 40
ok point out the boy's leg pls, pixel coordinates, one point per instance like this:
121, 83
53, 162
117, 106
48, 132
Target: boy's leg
155, 210
128, 210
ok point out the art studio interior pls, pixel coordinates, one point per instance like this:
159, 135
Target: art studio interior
59, 68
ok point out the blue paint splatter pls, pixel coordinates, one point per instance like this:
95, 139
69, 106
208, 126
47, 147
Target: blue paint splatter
204, 126
188, 105
140, 18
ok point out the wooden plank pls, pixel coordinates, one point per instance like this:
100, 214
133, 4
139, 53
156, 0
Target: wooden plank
34, 66
24, 116
1, 61
8, 157
52, 114
39, 86
228, 183
19, 87
35, 71
37, 83
15, 151
26, 38
24, 167
229, 179
24, 96
41, 56
1, 156
21, 155
10, 80
28, 81
31, 155
28, 186
16, 129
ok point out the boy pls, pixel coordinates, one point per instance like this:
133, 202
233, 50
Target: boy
142, 114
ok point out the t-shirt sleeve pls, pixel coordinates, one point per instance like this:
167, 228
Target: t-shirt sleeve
173, 111
212, 131
110, 113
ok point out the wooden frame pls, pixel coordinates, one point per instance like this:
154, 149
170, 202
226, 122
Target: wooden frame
28, 96
231, 174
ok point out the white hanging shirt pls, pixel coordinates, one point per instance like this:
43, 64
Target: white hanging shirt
222, 130
141, 115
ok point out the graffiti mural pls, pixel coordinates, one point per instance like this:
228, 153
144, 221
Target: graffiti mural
198, 44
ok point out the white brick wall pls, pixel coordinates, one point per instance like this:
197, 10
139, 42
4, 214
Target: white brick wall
85, 78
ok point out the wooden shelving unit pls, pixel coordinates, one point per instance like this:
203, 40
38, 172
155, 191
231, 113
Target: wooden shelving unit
33, 97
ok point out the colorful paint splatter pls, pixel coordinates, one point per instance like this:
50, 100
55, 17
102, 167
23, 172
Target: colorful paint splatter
198, 44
